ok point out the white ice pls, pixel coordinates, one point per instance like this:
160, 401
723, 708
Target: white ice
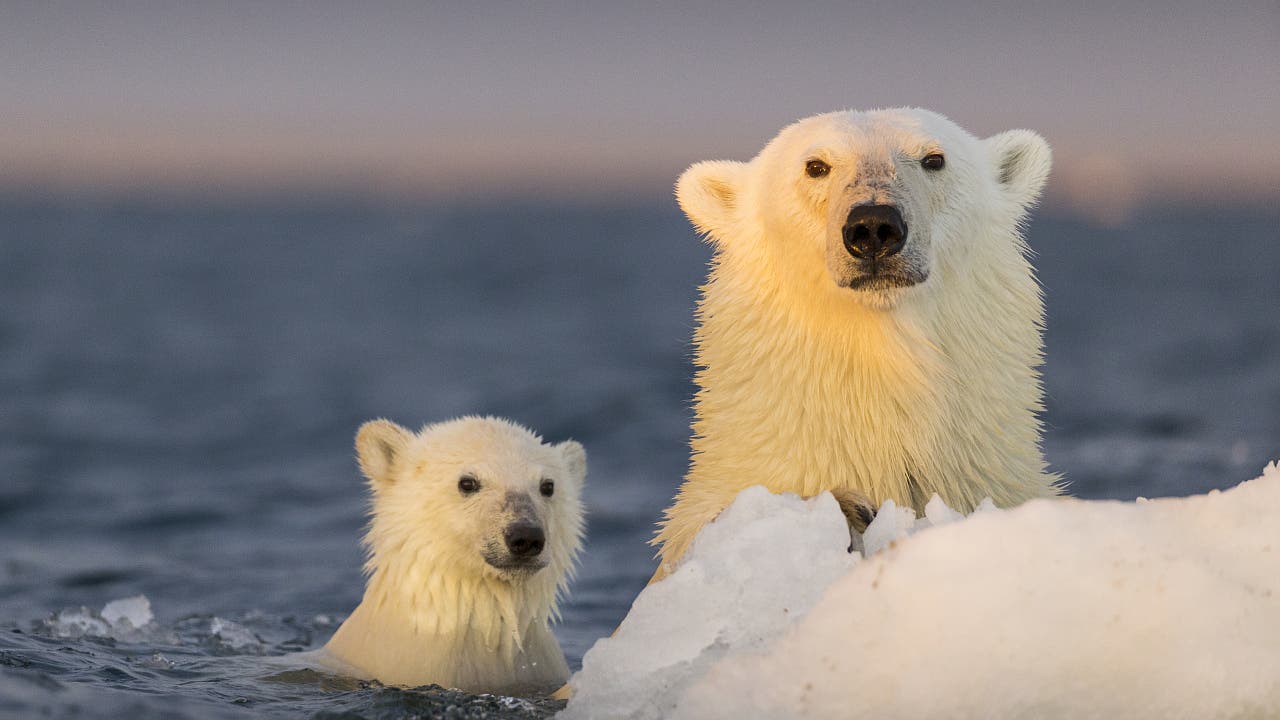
1168, 608
120, 619
233, 636
763, 562
131, 619
132, 612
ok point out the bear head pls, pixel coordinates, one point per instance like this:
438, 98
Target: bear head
476, 495
881, 200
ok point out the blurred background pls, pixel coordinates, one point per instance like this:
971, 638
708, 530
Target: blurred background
231, 232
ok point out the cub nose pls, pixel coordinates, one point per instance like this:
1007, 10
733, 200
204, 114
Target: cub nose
524, 539
874, 231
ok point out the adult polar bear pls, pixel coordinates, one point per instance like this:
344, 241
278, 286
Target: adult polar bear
871, 324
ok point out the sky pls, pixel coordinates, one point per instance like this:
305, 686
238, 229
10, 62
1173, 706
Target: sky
1143, 102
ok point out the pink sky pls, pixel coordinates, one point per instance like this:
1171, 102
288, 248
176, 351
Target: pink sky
1143, 102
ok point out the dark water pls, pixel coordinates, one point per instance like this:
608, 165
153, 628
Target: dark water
179, 388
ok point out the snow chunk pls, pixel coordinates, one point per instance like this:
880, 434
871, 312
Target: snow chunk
893, 523
938, 513
763, 563
1056, 609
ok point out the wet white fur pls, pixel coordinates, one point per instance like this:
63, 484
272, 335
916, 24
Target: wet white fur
807, 386
434, 611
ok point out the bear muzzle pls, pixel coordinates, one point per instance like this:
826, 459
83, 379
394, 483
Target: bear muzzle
520, 545
876, 255
874, 232
521, 550
524, 540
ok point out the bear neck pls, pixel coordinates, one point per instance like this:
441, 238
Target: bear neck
803, 388
423, 620
433, 599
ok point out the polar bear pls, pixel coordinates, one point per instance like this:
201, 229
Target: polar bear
476, 525
871, 325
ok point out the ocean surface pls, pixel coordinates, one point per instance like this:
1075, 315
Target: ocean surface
180, 386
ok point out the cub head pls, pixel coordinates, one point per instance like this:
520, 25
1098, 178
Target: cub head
880, 200
481, 495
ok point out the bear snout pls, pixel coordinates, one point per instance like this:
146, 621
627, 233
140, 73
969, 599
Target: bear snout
524, 540
874, 232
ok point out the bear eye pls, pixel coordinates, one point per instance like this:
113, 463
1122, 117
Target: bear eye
816, 169
547, 488
468, 485
933, 161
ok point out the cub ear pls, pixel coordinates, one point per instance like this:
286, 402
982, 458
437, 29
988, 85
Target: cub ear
1022, 160
575, 459
708, 193
378, 444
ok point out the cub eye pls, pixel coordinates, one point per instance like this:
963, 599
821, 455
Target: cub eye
468, 485
933, 161
816, 169
547, 488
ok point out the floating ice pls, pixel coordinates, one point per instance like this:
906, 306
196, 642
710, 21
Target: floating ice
234, 637
133, 612
1056, 609
77, 623
892, 523
762, 563
119, 619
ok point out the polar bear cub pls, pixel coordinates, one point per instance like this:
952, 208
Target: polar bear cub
476, 527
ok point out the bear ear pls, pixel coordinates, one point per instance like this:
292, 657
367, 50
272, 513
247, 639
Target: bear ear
378, 444
575, 459
708, 193
1022, 160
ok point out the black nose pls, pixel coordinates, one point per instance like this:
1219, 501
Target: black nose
874, 231
524, 539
